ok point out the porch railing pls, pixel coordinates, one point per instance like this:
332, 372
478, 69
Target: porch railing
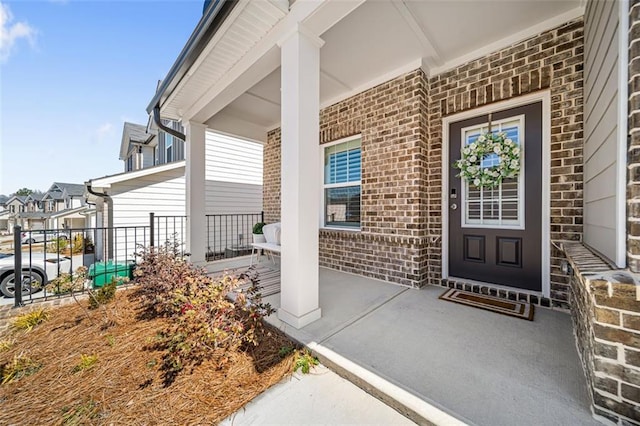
230, 235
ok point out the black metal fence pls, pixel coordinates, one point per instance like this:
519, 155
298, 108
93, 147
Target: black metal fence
230, 235
168, 230
46, 262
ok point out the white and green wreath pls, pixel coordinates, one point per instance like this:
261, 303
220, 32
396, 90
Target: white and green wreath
470, 163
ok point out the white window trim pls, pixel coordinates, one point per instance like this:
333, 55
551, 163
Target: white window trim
322, 224
545, 97
521, 178
168, 137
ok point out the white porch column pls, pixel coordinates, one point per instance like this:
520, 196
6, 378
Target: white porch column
195, 191
300, 85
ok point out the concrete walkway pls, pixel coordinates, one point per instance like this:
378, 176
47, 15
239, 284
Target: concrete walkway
439, 362
321, 397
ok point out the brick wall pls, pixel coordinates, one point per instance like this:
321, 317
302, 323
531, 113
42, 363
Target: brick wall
606, 319
633, 155
401, 126
271, 160
552, 60
392, 120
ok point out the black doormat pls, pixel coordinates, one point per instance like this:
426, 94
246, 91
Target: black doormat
512, 308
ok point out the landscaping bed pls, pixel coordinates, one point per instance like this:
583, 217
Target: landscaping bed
125, 385
124, 363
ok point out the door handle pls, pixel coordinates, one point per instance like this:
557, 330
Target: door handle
454, 206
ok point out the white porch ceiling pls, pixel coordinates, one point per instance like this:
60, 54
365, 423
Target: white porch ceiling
382, 39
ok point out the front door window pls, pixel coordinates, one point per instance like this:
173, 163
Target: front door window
502, 206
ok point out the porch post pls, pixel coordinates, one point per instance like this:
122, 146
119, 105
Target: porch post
195, 191
300, 92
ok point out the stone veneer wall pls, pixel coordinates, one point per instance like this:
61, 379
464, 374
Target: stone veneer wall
401, 126
606, 319
633, 155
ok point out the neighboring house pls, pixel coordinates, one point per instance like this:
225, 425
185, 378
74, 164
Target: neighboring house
362, 128
232, 183
146, 146
66, 206
62, 206
4, 215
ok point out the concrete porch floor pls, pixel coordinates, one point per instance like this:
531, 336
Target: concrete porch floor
481, 367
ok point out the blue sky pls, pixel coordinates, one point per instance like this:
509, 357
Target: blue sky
71, 72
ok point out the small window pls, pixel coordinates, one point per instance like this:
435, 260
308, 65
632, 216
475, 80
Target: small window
169, 146
342, 171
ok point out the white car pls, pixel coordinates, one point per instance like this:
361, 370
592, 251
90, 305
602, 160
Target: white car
39, 236
36, 271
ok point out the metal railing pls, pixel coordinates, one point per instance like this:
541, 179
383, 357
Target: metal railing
41, 256
230, 235
168, 230
44, 261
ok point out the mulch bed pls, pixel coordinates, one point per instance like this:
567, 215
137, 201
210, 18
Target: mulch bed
126, 385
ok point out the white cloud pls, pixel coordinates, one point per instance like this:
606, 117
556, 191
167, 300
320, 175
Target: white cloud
11, 32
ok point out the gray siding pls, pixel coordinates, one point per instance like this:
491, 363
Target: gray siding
178, 145
601, 131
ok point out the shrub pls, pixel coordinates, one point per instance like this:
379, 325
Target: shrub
103, 295
31, 319
205, 323
58, 245
68, 283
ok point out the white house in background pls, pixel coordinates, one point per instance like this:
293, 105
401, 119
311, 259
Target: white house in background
66, 207
233, 182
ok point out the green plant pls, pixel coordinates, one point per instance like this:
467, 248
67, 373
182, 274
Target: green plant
31, 319
257, 228
103, 295
204, 322
20, 366
111, 341
68, 283
87, 362
285, 351
304, 361
58, 245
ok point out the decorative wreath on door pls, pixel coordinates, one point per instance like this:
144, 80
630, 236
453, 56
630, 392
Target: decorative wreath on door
470, 163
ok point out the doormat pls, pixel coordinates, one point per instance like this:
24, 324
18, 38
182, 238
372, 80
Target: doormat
512, 308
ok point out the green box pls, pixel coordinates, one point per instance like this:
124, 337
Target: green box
101, 273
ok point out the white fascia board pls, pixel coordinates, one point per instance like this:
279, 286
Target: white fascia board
64, 213
317, 18
526, 33
107, 181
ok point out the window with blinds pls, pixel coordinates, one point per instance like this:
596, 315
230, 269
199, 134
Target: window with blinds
502, 206
342, 173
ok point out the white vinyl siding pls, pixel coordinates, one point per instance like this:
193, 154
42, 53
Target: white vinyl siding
234, 185
602, 133
234, 175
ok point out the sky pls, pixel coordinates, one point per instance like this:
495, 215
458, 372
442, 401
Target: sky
71, 73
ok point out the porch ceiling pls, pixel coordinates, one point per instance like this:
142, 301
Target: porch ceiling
381, 39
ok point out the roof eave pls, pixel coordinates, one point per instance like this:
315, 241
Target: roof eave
211, 19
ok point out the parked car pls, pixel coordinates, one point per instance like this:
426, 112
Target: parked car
36, 272
30, 237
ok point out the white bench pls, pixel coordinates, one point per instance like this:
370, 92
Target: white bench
270, 248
